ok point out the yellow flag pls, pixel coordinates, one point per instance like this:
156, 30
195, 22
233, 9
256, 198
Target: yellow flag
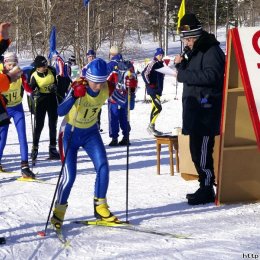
181, 13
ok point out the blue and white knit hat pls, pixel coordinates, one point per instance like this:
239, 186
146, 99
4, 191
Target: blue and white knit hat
91, 53
159, 51
96, 71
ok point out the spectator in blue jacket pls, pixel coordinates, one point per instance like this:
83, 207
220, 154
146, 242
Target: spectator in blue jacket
117, 113
114, 57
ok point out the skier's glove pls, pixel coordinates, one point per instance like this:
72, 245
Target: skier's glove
52, 88
79, 87
36, 94
131, 82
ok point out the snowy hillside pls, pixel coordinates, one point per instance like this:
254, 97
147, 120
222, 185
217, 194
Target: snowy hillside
155, 202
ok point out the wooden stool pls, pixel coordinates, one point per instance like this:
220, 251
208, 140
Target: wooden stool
172, 142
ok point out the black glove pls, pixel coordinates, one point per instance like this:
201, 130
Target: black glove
36, 94
52, 88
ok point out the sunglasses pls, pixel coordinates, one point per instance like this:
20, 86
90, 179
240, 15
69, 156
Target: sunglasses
188, 27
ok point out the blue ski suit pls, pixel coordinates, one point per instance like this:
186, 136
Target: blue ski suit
82, 114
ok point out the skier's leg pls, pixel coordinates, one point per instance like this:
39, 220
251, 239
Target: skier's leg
97, 153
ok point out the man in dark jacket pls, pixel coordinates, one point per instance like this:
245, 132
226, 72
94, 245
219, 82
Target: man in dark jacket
202, 72
154, 86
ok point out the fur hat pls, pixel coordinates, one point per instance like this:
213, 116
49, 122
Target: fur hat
96, 71
159, 51
40, 61
190, 26
10, 57
113, 50
91, 53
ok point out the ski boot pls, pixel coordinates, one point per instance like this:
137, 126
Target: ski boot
114, 142
53, 153
151, 130
34, 153
26, 172
58, 215
102, 212
202, 196
123, 142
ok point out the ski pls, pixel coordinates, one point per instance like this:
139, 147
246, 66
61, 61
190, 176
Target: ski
33, 180
2, 240
7, 172
131, 227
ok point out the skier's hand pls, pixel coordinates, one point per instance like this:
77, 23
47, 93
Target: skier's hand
152, 85
178, 59
14, 74
131, 82
36, 94
79, 88
52, 88
4, 30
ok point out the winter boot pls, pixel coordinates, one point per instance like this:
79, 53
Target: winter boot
114, 142
58, 215
53, 153
34, 153
151, 130
123, 142
26, 172
102, 212
202, 196
1, 168
190, 195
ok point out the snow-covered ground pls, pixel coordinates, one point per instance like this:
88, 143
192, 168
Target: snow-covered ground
155, 202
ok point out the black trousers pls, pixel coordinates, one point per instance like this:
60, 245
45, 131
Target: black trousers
46, 104
201, 149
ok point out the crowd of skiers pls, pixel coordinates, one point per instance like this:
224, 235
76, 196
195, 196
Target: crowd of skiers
52, 91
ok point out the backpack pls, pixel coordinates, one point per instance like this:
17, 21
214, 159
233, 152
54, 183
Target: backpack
120, 94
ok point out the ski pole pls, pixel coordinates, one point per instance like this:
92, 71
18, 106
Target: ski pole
127, 148
34, 107
43, 233
176, 90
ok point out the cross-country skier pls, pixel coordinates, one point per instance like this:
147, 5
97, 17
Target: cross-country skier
44, 84
91, 55
15, 110
81, 107
5, 80
154, 87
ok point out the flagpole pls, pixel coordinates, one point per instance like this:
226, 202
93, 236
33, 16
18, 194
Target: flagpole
88, 28
166, 27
